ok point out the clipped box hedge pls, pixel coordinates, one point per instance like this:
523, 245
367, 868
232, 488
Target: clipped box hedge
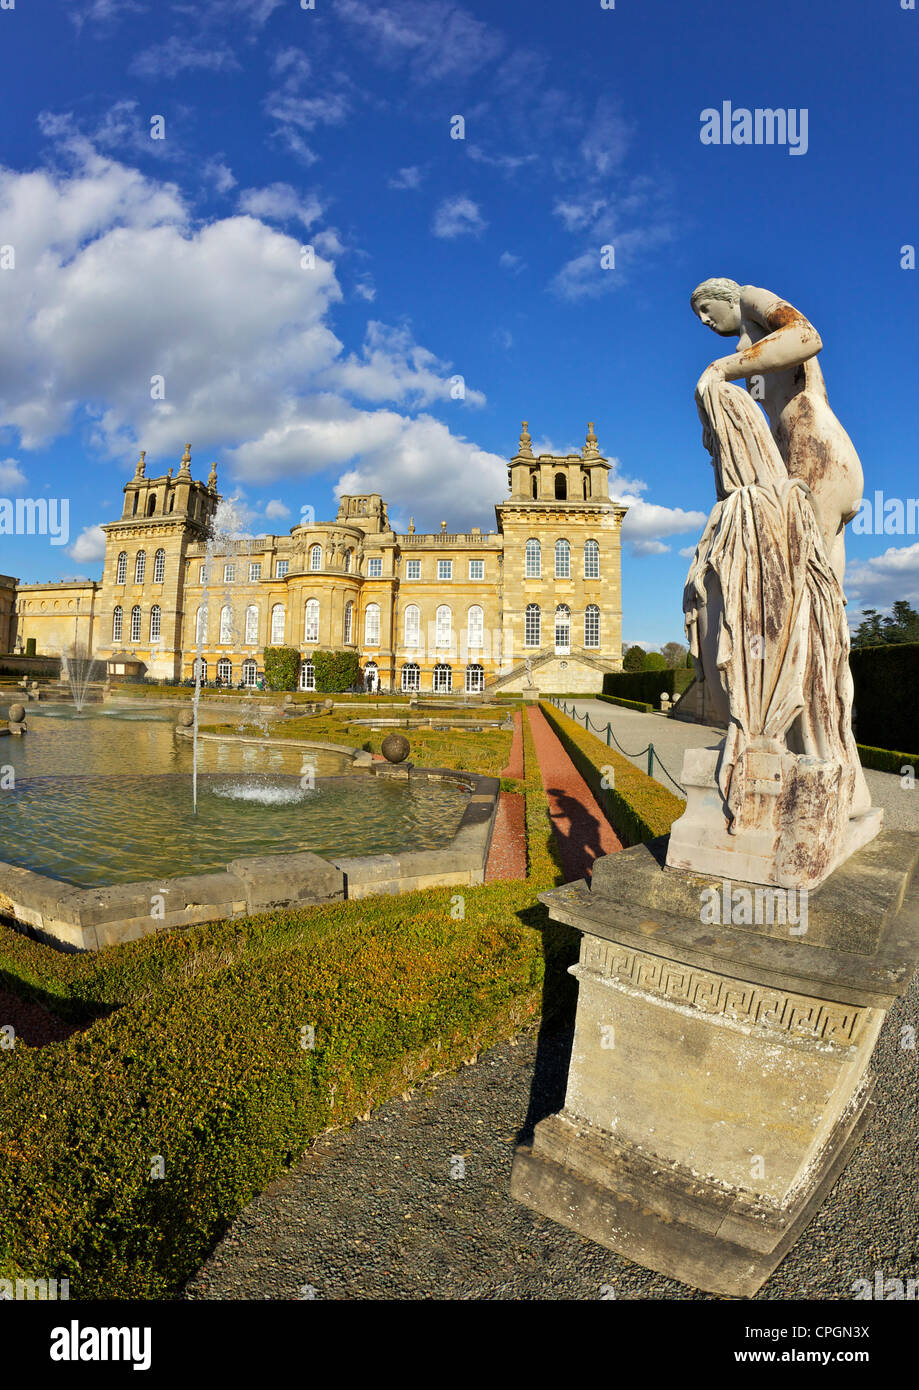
636, 806
886, 760
627, 704
886, 679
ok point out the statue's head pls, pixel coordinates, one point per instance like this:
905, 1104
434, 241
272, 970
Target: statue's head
716, 303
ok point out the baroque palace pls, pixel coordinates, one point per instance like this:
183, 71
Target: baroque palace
536, 602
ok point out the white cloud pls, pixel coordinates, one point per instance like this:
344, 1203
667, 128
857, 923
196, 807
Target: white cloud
130, 289
458, 216
688, 551
12, 477
406, 178
435, 39
393, 367
364, 288
297, 113
177, 55
89, 545
883, 579
508, 261
220, 175
281, 203
649, 548
276, 510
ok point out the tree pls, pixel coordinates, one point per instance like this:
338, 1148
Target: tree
901, 624
633, 659
689, 663
655, 662
674, 653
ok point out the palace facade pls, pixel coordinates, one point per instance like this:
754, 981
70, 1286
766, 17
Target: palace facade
535, 602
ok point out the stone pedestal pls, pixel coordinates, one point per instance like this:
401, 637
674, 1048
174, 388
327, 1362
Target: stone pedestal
719, 1076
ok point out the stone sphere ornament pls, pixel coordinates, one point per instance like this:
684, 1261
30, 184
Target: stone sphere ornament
186, 718
17, 714
395, 748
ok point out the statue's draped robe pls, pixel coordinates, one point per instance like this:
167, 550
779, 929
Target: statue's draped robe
782, 649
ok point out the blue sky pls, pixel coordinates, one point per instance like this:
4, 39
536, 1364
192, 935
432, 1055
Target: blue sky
436, 258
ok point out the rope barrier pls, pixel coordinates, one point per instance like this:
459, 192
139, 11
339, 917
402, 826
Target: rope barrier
652, 753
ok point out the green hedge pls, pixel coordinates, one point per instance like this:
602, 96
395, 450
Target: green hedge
885, 760
282, 668
886, 679
335, 671
627, 704
637, 807
647, 686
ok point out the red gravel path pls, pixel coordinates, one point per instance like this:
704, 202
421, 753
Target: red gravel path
581, 828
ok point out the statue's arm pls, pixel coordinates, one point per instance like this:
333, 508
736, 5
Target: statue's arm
789, 340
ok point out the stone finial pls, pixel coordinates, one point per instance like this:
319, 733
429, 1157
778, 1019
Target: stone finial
141, 465
169, 474
185, 470
411, 526
212, 478
526, 444
443, 526
590, 448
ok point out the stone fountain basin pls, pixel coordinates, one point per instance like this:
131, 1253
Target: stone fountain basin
81, 919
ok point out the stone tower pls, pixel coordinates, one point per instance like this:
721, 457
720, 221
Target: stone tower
562, 591
143, 582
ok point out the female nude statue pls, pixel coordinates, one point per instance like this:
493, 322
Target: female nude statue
777, 343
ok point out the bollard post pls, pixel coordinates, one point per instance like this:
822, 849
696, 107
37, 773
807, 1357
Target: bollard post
607, 736
650, 759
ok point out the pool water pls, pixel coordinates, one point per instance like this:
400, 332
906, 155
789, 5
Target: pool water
101, 798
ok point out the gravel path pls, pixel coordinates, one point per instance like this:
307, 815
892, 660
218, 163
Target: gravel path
374, 1212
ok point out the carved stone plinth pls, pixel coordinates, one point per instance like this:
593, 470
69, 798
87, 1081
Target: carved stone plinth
719, 1076
790, 836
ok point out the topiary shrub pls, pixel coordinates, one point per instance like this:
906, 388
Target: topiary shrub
655, 661
633, 659
336, 671
282, 668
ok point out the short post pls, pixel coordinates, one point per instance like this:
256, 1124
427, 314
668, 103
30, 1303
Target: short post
607, 736
650, 759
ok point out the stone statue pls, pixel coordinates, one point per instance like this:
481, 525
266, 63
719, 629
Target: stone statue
777, 351
765, 614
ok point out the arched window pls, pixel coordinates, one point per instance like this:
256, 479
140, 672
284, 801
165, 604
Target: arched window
199, 669
140, 565
533, 569
532, 625
315, 557
311, 621
226, 625
443, 626
151, 504
349, 623
412, 625
121, 569
443, 679
349, 560
562, 628
562, 560
156, 619
475, 628
250, 672
159, 567
224, 671
252, 625
277, 624
117, 620
591, 560
586, 477
135, 624
201, 626
172, 501
534, 485
307, 676
411, 676
561, 487
475, 679
372, 625
592, 626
